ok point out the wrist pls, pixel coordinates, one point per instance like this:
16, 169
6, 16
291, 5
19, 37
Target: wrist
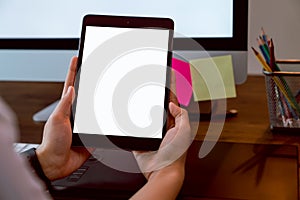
48, 168
175, 170
170, 181
172, 173
32, 158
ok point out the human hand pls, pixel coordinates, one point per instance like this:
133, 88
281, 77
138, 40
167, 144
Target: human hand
152, 161
56, 156
172, 151
165, 168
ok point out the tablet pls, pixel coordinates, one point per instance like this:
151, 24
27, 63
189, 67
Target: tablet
122, 82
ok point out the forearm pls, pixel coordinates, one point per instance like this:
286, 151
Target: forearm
164, 185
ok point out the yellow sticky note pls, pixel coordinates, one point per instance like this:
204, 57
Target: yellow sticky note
213, 78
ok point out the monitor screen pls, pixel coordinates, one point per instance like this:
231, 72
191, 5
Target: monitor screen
43, 35
44, 24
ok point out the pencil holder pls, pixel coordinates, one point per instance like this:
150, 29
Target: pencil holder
283, 94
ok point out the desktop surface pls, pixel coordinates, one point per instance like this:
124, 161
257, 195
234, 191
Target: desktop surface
250, 126
242, 171
229, 171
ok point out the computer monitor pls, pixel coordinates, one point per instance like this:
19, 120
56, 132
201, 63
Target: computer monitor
38, 38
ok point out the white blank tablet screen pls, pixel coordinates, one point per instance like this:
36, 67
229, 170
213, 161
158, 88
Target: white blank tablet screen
128, 98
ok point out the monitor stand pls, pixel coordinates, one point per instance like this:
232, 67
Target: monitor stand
44, 114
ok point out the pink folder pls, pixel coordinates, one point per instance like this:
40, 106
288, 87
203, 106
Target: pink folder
184, 89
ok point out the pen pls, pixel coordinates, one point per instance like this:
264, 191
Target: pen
261, 60
287, 104
280, 81
298, 97
272, 56
280, 104
264, 35
268, 69
263, 49
275, 67
273, 63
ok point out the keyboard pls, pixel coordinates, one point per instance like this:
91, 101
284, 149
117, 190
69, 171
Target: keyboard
21, 147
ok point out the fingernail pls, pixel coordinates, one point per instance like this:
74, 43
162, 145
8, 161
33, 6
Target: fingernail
69, 91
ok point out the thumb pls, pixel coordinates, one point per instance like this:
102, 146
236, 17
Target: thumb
174, 110
181, 115
64, 105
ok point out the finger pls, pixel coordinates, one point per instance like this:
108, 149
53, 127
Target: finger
64, 105
180, 115
71, 75
173, 97
174, 110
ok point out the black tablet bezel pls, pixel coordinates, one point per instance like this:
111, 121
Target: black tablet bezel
124, 142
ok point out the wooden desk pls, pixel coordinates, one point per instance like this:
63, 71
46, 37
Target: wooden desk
251, 125
26, 98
